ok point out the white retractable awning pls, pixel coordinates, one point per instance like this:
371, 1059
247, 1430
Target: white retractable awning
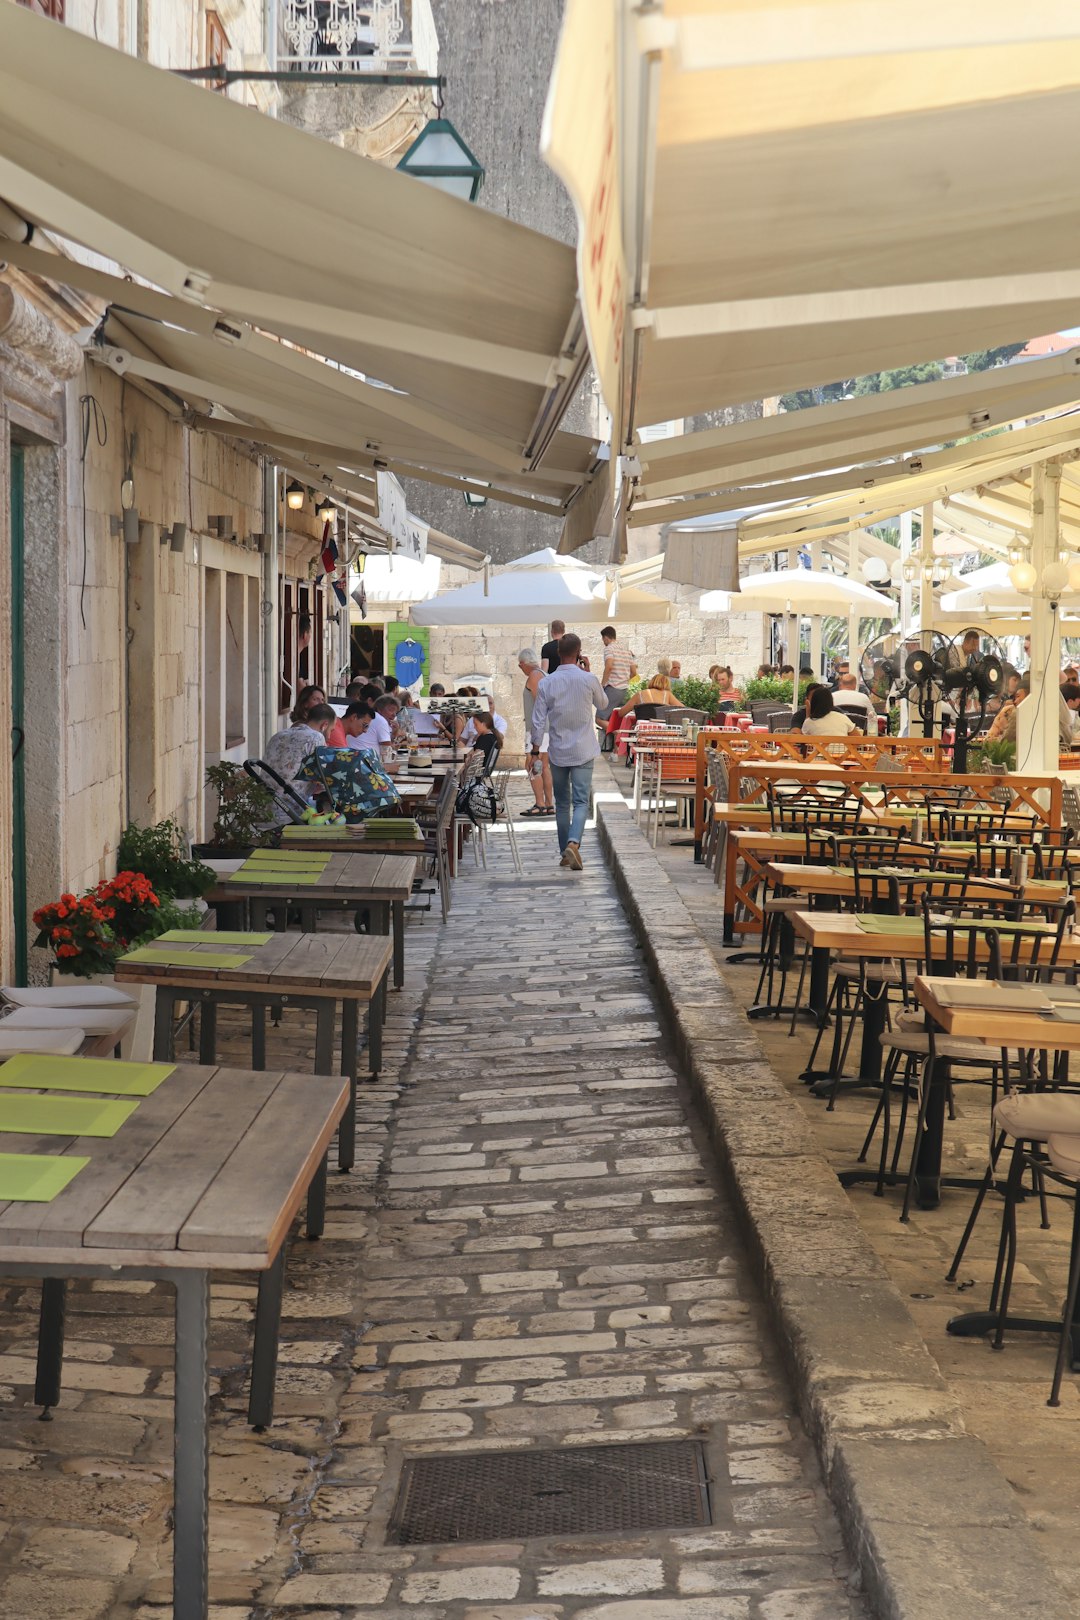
992, 467
686, 474
252, 386
540, 587
455, 305
807, 193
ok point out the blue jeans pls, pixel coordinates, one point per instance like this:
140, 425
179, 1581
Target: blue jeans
571, 784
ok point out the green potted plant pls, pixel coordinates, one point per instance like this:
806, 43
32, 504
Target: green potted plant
158, 853
765, 688
996, 756
244, 810
695, 693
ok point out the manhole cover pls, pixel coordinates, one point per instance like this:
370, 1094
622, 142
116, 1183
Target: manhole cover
512, 1495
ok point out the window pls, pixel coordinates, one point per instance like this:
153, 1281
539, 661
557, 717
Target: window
217, 48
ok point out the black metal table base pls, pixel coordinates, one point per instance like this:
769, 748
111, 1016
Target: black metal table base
975, 1324
927, 1187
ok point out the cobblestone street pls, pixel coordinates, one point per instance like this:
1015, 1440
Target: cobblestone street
532, 1252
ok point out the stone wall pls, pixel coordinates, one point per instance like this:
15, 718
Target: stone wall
497, 60
134, 631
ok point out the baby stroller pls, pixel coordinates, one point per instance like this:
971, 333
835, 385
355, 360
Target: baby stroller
351, 781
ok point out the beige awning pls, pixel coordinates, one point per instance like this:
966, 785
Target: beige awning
453, 304
830, 202
987, 499
815, 192
690, 473
297, 405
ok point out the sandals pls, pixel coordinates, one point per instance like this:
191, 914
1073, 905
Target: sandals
534, 810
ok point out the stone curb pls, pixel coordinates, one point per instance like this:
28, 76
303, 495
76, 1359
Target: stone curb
926, 1513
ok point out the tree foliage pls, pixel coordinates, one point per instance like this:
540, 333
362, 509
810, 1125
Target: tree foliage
882, 382
986, 359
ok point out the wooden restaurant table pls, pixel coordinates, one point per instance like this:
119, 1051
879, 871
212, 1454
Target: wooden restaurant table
309, 971
823, 881
348, 840
380, 883
750, 837
828, 931
206, 1174
1039, 1030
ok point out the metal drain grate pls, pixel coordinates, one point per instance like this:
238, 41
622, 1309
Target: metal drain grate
512, 1495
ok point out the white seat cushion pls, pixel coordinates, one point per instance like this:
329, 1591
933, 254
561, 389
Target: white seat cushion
94, 1020
56, 1042
1031, 1116
1064, 1155
946, 1046
72, 994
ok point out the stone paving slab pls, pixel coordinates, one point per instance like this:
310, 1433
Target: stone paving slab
889, 1432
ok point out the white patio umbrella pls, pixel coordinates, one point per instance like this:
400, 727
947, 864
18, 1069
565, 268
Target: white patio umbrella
537, 588
799, 590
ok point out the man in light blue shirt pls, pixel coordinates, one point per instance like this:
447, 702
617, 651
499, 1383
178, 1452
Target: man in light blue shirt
568, 703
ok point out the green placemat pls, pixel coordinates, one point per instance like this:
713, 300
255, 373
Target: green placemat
872, 922
169, 957
219, 936
273, 874
63, 1116
36, 1178
290, 857
298, 832
39, 1072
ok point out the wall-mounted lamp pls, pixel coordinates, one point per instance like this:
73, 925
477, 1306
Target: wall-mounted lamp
295, 496
325, 510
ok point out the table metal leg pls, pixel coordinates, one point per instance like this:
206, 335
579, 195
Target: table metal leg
50, 1351
316, 1203
931, 1139
376, 1016
324, 1036
163, 1025
399, 943
350, 1035
264, 1353
258, 1037
875, 1006
819, 985
309, 919
207, 1030
191, 1446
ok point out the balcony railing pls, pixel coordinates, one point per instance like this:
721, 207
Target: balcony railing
357, 36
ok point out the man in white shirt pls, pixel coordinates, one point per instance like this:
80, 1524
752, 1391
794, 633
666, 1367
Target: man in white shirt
381, 729
356, 724
568, 703
850, 699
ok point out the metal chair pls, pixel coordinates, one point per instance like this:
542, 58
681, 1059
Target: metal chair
500, 784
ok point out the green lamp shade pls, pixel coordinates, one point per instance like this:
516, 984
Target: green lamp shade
440, 156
